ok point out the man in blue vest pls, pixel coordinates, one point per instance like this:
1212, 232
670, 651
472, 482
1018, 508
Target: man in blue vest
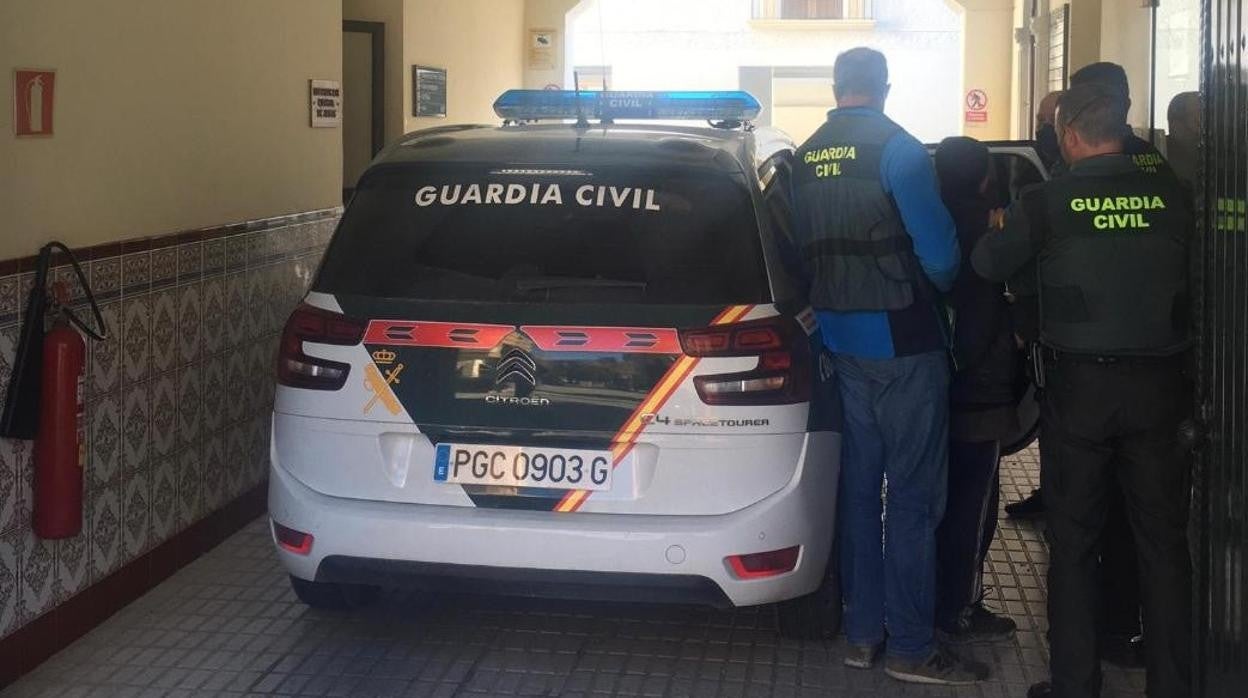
878, 247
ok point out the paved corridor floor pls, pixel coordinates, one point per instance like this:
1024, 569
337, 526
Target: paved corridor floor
229, 625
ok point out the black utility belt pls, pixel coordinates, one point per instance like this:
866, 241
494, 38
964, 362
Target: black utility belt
1057, 356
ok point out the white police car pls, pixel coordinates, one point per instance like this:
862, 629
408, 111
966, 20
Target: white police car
563, 359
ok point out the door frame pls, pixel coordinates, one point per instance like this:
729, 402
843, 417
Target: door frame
378, 32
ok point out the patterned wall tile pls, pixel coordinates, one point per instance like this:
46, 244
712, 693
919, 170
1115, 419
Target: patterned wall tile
9, 490
237, 327
189, 310
105, 526
190, 405
257, 303
213, 467
190, 487
238, 386
72, 568
9, 337
237, 463
24, 452
136, 513
178, 403
214, 318
38, 577
136, 273
105, 358
258, 448
106, 277
136, 338
164, 266
10, 301
236, 253
164, 331
66, 278
190, 262
214, 256
164, 409
164, 499
10, 579
136, 429
104, 412
215, 394
260, 366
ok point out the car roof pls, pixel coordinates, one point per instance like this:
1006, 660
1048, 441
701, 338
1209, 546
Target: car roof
623, 144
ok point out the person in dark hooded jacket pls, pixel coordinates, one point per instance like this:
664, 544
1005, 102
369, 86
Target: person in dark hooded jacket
982, 410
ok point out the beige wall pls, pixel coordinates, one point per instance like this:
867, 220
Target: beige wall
479, 42
1125, 28
988, 48
170, 114
389, 13
547, 14
1085, 32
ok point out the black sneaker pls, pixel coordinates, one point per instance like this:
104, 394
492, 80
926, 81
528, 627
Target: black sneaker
1044, 689
1030, 508
941, 668
862, 656
978, 624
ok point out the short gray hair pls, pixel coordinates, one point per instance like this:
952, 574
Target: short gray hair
860, 71
1095, 111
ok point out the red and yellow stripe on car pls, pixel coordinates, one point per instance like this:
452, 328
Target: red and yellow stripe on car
624, 440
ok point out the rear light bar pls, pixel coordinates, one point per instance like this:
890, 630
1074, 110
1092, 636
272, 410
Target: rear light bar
310, 324
762, 565
290, 540
783, 374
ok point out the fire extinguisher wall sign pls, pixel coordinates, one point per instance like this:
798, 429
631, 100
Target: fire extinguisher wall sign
34, 94
45, 397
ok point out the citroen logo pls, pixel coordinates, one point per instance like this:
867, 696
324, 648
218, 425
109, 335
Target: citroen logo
518, 368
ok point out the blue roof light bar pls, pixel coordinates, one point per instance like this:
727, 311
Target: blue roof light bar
532, 105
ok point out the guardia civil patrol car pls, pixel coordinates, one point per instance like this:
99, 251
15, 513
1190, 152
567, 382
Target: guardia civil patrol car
563, 359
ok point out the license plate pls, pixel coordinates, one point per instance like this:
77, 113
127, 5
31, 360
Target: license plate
521, 466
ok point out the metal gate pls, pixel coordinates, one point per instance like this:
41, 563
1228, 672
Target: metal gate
1221, 514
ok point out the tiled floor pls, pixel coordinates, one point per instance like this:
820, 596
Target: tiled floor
228, 625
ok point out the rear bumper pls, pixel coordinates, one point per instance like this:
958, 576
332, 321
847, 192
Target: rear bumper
535, 583
677, 558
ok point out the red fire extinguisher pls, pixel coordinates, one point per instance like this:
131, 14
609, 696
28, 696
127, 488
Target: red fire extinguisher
55, 361
60, 443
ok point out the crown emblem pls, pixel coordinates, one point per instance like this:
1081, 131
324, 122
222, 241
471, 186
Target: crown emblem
384, 357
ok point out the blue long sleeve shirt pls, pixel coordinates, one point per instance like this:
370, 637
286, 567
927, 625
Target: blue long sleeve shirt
908, 175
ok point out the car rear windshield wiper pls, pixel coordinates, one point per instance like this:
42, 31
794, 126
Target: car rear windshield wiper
557, 282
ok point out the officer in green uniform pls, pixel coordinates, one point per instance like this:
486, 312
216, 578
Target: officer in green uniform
1111, 246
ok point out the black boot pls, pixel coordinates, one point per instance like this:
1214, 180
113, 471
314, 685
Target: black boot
1031, 507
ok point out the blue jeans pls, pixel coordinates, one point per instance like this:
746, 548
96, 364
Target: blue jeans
896, 427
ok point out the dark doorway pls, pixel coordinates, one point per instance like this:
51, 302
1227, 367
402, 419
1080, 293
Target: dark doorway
363, 98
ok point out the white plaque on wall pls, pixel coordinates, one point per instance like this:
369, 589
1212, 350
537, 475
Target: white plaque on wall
326, 103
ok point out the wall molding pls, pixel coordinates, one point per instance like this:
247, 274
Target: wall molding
155, 242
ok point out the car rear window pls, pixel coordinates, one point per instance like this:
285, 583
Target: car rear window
654, 235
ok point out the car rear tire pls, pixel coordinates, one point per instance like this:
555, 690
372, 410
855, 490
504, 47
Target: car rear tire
816, 616
329, 596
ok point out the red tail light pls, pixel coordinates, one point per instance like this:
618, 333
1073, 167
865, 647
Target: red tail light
783, 374
309, 324
762, 565
289, 539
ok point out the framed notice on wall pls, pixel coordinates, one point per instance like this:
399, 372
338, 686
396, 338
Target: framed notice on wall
326, 103
428, 91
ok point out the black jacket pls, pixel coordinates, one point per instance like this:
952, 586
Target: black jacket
984, 388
